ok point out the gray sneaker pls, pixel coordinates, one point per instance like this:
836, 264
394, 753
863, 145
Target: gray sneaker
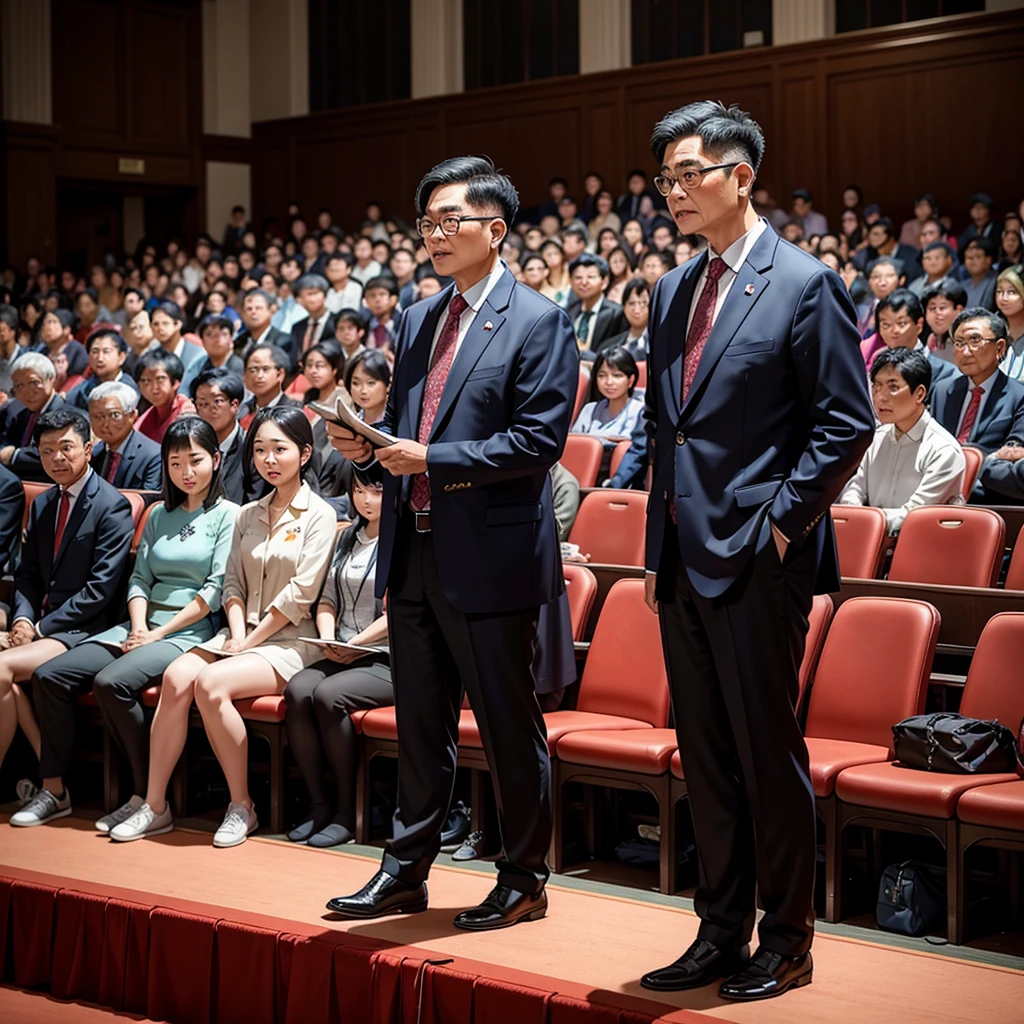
43, 807
144, 822
238, 822
123, 813
26, 789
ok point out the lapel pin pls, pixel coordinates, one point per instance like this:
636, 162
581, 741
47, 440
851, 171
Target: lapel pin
488, 326
749, 290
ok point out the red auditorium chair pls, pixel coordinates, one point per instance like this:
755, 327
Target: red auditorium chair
951, 545
891, 797
1015, 573
860, 691
618, 454
298, 387
140, 524
973, 457
32, 491
611, 526
582, 387
582, 457
641, 375
862, 536
581, 586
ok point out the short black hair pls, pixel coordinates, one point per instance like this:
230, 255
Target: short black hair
529, 257
904, 299
996, 321
106, 332
373, 362
577, 231
657, 254
986, 245
371, 476
171, 309
179, 437
333, 354
558, 181
911, 365
485, 185
159, 358
946, 288
944, 246
60, 419
314, 281
259, 293
882, 222
636, 285
385, 281
218, 320
278, 355
617, 358
881, 261
340, 257
134, 291
228, 382
355, 317
720, 129
9, 316
89, 293
293, 423
590, 259
65, 317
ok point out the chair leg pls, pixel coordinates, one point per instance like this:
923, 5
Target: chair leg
955, 885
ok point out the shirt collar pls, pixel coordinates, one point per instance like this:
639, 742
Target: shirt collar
476, 294
916, 432
594, 308
230, 440
300, 503
124, 444
736, 254
76, 488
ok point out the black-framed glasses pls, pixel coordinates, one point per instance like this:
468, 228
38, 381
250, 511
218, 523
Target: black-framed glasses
448, 224
691, 178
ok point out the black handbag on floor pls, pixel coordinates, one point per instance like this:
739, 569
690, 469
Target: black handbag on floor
945, 742
911, 898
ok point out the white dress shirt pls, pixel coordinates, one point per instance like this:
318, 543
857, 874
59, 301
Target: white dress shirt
350, 297
924, 466
734, 256
475, 296
593, 311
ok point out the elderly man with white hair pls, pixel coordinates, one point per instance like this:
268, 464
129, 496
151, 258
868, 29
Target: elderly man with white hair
123, 456
32, 390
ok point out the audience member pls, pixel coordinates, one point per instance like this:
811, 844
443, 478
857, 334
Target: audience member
764, 204
345, 292
10, 350
350, 330
217, 395
403, 269
882, 242
620, 273
636, 304
55, 339
33, 393
937, 261
1011, 248
367, 380
912, 460
605, 217
1009, 296
612, 410
258, 309
159, 380
534, 271
324, 367
559, 286
982, 225
654, 266
574, 243
884, 277
628, 206
312, 293
381, 298
565, 496
107, 354
122, 456
900, 321
594, 317
266, 367
366, 267
980, 280
321, 697
12, 509
925, 209
60, 599
942, 303
217, 333
811, 222
168, 321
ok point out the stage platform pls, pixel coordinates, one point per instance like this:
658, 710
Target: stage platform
171, 929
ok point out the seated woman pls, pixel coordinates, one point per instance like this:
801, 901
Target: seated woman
159, 376
323, 365
280, 554
367, 379
321, 698
55, 334
613, 410
174, 587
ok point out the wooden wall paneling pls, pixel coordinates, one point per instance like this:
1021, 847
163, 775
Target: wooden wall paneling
160, 79
29, 192
88, 48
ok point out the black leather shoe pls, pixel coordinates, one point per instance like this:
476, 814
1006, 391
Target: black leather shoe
769, 974
701, 964
382, 895
502, 908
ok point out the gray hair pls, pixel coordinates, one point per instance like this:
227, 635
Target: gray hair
127, 397
34, 361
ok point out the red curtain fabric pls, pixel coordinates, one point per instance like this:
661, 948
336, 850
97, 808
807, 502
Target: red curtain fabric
244, 975
353, 983
496, 1002
180, 966
5, 923
78, 946
32, 911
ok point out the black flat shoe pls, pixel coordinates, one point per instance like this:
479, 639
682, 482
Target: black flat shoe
503, 908
382, 895
315, 819
701, 964
769, 974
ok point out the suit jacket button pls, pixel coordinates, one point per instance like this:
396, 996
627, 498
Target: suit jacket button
680, 438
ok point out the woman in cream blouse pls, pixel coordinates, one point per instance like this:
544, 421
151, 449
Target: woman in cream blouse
280, 554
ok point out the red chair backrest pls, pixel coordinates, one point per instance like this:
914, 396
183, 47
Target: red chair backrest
625, 670
581, 586
641, 375
138, 503
874, 669
861, 536
582, 387
973, 457
952, 545
1015, 573
993, 688
140, 524
822, 610
611, 526
582, 457
618, 454
32, 491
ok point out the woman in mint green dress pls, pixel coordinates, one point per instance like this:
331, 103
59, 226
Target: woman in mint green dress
174, 588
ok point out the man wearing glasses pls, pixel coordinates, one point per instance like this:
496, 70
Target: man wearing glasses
481, 400
984, 407
758, 413
32, 391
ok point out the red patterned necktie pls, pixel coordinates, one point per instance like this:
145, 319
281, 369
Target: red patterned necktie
26, 441
113, 463
62, 521
703, 320
437, 375
970, 415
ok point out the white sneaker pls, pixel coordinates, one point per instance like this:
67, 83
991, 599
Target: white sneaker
144, 822
123, 813
26, 789
238, 822
43, 807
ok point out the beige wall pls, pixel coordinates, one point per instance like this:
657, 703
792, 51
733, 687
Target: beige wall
226, 101
796, 21
605, 35
278, 59
226, 185
436, 33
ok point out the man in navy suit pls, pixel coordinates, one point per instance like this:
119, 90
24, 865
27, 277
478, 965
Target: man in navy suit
468, 552
758, 414
32, 376
123, 457
67, 588
12, 506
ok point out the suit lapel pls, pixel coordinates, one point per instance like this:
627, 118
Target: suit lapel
950, 417
990, 406
413, 366
78, 511
676, 318
47, 529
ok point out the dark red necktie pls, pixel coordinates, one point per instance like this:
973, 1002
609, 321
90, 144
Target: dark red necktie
62, 521
26, 441
970, 415
113, 463
702, 322
437, 375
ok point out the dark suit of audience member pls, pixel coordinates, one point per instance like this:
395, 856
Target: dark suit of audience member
140, 468
12, 508
1001, 482
232, 469
609, 321
245, 341
297, 342
632, 469
908, 256
72, 593
1000, 417
16, 430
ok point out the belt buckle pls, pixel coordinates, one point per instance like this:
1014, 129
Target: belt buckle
421, 522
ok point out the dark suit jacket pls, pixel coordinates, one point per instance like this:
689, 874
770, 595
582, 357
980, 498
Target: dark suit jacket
232, 470
14, 419
1000, 418
244, 342
78, 396
774, 425
610, 320
249, 407
616, 341
1000, 483
141, 467
908, 256
83, 587
12, 506
299, 335
500, 426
